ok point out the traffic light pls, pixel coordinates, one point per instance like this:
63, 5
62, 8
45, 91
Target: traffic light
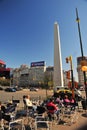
70, 58
68, 74
67, 60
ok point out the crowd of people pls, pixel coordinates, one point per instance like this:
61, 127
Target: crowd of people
51, 105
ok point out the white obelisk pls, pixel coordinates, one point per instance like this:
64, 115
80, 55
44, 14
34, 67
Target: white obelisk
58, 71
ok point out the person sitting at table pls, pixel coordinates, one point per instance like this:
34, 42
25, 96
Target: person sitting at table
59, 101
66, 101
52, 108
3, 113
28, 102
72, 103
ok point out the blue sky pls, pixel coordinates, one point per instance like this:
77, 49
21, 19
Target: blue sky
27, 30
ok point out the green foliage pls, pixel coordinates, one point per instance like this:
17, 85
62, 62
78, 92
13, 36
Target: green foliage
48, 82
4, 82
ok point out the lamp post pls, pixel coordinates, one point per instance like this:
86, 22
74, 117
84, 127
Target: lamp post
69, 59
71, 66
84, 73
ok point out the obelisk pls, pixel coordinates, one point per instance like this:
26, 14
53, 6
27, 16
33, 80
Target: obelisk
58, 71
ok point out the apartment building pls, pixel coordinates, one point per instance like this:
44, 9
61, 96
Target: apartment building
29, 75
80, 72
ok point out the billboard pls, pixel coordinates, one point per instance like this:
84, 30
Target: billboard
40, 63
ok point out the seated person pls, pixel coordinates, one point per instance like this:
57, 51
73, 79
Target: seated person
52, 108
9, 103
8, 109
28, 102
2, 113
66, 101
72, 103
59, 101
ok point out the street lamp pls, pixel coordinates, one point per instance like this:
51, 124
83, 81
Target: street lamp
84, 73
69, 59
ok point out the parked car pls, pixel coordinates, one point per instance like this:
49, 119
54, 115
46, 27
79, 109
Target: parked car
33, 89
10, 90
17, 88
62, 91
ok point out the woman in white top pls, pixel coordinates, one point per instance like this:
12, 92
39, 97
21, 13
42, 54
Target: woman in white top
28, 101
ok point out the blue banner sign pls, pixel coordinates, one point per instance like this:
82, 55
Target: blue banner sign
40, 63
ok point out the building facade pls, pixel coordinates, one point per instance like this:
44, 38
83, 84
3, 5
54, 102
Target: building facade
80, 72
4, 72
31, 76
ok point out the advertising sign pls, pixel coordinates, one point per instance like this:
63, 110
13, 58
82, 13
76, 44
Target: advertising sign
40, 63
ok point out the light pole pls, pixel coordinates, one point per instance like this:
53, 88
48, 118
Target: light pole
69, 59
71, 66
84, 73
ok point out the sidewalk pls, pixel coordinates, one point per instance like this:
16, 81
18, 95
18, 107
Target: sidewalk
82, 120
